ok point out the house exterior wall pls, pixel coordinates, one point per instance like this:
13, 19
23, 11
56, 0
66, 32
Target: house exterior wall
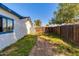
19, 30
28, 27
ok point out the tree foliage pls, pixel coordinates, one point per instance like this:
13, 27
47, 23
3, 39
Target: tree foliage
52, 21
66, 13
37, 22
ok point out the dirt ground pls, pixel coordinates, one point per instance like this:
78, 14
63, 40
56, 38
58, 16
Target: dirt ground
43, 48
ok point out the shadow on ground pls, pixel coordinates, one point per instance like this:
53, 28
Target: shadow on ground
53, 45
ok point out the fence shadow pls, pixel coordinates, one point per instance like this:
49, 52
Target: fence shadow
69, 42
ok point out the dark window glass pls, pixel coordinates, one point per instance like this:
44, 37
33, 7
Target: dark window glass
4, 25
0, 24
10, 23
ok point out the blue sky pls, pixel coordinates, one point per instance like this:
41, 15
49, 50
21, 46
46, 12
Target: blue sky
42, 11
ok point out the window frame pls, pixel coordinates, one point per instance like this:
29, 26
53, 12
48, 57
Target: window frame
7, 18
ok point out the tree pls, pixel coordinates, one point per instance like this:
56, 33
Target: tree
66, 13
52, 21
37, 22
47, 24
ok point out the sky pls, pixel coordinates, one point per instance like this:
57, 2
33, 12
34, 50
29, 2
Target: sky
42, 11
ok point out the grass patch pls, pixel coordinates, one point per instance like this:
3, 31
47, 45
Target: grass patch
21, 48
60, 46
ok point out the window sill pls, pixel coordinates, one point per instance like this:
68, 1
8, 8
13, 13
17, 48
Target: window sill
6, 32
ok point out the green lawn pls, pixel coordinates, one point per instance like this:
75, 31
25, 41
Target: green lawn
60, 46
21, 48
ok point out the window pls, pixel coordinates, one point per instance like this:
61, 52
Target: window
0, 24
6, 24
10, 27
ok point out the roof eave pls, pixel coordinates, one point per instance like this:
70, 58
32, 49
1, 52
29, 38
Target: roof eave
11, 11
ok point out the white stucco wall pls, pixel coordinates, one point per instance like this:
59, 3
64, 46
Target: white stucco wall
28, 26
19, 30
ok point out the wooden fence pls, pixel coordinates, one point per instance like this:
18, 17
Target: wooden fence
68, 32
